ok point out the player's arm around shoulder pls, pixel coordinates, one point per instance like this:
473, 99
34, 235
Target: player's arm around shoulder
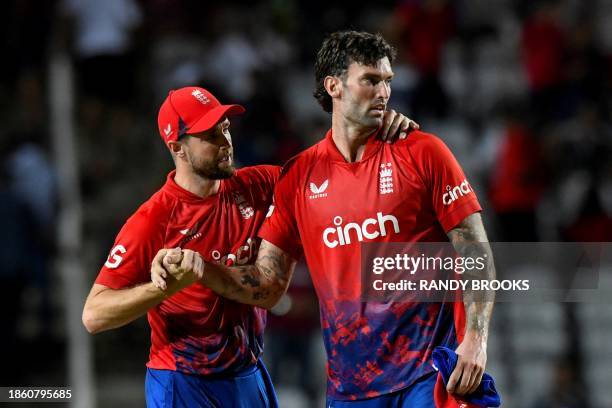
470, 240
261, 284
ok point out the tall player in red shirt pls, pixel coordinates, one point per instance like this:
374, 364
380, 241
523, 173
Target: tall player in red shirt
350, 188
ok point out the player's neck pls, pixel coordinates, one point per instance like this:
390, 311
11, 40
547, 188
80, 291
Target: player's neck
349, 138
195, 184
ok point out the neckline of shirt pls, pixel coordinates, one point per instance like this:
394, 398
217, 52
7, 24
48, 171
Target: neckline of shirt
182, 194
372, 146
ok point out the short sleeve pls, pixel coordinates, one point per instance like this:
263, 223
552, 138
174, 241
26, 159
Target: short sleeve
270, 174
129, 260
280, 226
453, 197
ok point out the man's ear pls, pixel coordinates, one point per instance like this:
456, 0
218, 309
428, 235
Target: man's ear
176, 148
333, 86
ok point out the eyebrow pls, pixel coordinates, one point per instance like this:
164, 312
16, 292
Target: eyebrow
371, 75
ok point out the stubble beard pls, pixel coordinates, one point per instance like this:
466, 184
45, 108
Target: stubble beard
211, 170
360, 115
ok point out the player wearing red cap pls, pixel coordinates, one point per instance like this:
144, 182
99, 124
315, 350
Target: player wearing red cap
205, 349
350, 188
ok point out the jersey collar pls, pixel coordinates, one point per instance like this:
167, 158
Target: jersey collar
373, 144
182, 194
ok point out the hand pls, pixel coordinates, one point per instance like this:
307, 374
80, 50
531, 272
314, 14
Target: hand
180, 267
395, 125
158, 271
472, 359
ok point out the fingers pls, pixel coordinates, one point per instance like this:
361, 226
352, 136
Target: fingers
465, 379
406, 126
388, 119
157, 280
453, 381
188, 259
158, 273
477, 378
173, 256
182, 265
158, 258
412, 125
198, 269
395, 126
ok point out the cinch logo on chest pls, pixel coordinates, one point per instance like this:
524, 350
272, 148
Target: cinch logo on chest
370, 228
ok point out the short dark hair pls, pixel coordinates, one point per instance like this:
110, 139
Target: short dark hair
342, 48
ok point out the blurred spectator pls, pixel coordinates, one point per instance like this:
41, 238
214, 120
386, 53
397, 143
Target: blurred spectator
566, 388
579, 151
543, 48
587, 82
517, 181
276, 141
17, 226
425, 26
103, 46
33, 181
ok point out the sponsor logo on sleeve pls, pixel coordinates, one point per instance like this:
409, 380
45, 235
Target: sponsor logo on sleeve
114, 259
455, 193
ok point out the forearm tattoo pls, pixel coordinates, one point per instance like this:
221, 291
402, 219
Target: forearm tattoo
274, 266
470, 240
266, 280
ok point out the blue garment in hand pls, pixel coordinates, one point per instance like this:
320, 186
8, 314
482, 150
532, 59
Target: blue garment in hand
486, 395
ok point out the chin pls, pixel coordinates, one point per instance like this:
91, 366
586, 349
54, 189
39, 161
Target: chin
217, 173
226, 172
373, 123
223, 174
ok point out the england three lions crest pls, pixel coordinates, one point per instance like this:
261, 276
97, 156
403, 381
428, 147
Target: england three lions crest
385, 179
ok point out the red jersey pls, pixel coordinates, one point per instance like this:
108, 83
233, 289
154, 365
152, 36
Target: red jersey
410, 191
196, 331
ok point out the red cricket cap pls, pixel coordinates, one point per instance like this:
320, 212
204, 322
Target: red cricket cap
191, 110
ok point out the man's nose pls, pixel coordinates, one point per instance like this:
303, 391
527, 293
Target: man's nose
384, 90
225, 140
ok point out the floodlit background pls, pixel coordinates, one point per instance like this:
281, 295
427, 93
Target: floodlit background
520, 91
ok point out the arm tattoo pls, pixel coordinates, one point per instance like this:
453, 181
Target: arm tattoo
470, 240
275, 266
260, 284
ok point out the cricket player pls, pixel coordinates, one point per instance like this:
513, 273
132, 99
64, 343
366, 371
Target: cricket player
205, 348
351, 188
